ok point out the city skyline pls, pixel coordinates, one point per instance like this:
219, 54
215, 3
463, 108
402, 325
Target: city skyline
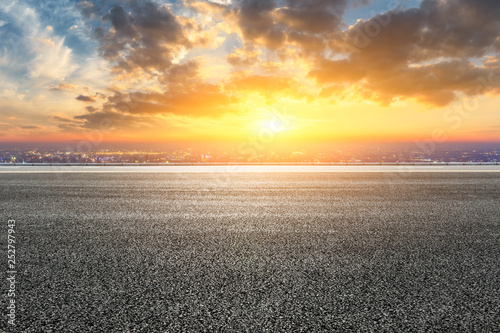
191, 155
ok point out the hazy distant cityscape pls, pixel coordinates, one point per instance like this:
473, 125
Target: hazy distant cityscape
188, 155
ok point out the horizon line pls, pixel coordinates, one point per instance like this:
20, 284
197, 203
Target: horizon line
260, 163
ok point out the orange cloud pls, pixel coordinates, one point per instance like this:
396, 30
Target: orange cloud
62, 86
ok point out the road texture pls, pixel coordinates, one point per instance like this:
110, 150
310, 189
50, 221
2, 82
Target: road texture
254, 252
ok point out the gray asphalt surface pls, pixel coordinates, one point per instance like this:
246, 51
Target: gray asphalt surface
254, 252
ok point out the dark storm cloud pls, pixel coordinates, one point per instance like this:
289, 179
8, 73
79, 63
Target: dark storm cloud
313, 16
462, 28
141, 36
309, 44
306, 23
458, 29
182, 73
256, 20
420, 53
83, 98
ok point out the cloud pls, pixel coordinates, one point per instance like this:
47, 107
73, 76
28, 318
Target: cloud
6, 126
327, 71
433, 84
29, 127
104, 121
62, 86
312, 16
184, 74
209, 7
111, 120
61, 119
201, 100
244, 57
471, 28
142, 37
308, 24
221, 2
89, 9
256, 20
413, 54
29, 47
186, 94
83, 98
54, 60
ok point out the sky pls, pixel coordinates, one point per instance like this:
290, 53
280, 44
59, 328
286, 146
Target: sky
250, 71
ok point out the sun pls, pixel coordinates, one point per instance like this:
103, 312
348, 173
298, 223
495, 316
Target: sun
275, 123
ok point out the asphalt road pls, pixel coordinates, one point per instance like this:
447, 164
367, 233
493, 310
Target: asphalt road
254, 252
